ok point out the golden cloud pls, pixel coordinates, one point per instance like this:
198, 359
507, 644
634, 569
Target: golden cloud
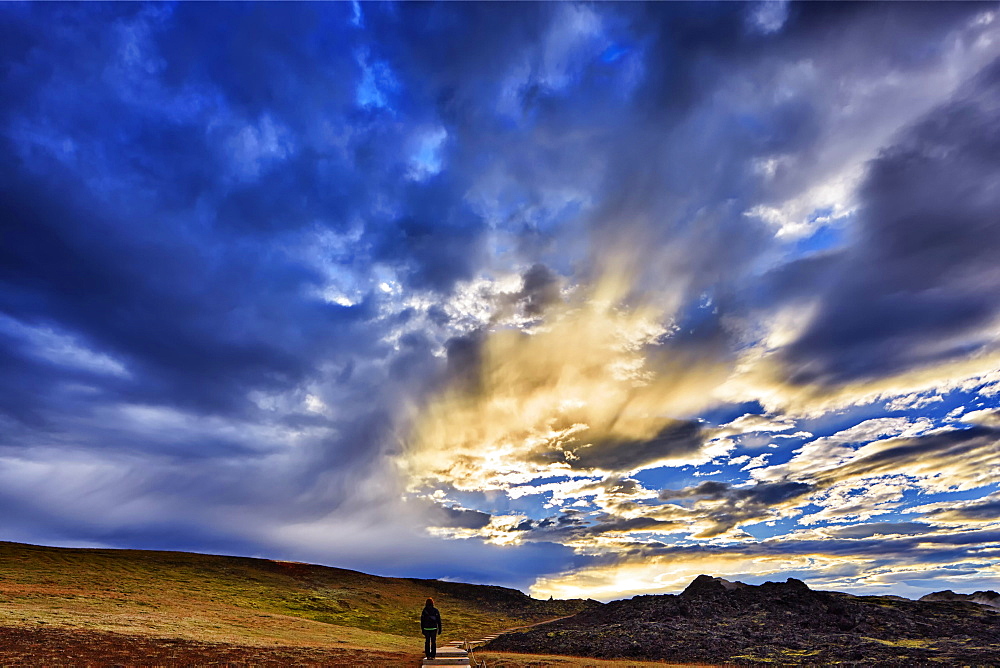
761, 375
591, 389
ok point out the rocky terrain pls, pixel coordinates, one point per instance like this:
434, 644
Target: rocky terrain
715, 621
988, 597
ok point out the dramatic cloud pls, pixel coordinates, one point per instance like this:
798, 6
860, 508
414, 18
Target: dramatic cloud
589, 298
920, 284
585, 391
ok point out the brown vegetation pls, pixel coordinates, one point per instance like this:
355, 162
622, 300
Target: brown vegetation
108, 607
23, 646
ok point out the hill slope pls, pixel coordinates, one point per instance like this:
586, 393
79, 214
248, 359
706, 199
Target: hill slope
246, 601
716, 621
988, 597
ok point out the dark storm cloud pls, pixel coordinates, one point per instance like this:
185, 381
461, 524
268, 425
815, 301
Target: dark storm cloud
541, 288
920, 283
464, 356
711, 489
724, 507
574, 527
761, 494
880, 529
725, 33
24, 383
568, 523
200, 325
678, 439
197, 326
932, 547
437, 241
982, 510
692, 185
264, 57
799, 280
464, 518
692, 189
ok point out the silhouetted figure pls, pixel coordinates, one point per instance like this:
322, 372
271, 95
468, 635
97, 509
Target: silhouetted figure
430, 624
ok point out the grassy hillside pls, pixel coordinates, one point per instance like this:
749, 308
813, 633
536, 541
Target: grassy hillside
246, 601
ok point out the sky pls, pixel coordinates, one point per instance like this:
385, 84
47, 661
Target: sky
583, 299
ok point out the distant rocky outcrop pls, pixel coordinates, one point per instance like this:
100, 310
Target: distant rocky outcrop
706, 583
988, 597
717, 621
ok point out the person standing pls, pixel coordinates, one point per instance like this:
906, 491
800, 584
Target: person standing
430, 624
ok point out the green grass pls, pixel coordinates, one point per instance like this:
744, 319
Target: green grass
234, 599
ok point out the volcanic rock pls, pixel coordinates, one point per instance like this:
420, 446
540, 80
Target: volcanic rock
988, 597
717, 621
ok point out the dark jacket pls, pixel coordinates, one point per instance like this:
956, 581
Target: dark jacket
430, 619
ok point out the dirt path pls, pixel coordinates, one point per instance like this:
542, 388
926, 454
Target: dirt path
531, 626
